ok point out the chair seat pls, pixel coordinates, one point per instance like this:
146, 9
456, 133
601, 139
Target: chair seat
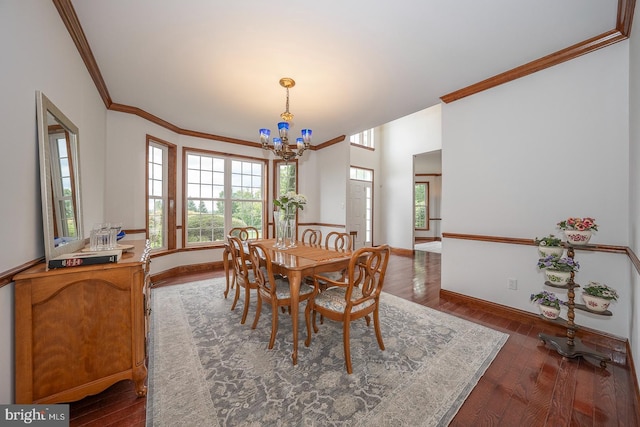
334, 299
283, 291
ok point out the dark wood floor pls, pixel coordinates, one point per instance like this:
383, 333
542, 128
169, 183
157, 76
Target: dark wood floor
526, 385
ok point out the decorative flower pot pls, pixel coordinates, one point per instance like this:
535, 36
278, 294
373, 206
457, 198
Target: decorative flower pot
596, 304
545, 251
556, 277
578, 237
549, 312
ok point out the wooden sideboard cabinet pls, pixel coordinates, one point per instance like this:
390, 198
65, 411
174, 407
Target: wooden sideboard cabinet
78, 330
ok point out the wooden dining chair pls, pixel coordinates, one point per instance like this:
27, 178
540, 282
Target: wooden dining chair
312, 236
243, 274
339, 242
356, 297
272, 289
244, 234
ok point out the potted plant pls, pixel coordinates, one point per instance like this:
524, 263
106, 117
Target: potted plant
598, 296
290, 202
578, 230
550, 245
548, 304
558, 270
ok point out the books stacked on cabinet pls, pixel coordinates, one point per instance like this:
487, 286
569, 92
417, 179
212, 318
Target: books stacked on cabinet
78, 259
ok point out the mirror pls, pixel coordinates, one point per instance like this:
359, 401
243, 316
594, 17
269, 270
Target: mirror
59, 180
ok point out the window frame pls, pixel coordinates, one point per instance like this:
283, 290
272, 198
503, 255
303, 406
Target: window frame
424, 206
227, 199
170, 162
364, 139
357, 173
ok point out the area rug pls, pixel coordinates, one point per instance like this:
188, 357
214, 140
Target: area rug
435, 246
206, 369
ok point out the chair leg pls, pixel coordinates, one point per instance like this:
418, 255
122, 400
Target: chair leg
376, 325
258, 311
236, 297
274, 325
227, 287
367, 318
247, 299
347, 348
315, 327
307, 320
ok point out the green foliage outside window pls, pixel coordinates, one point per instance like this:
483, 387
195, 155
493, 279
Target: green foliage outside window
421, 205
287, 179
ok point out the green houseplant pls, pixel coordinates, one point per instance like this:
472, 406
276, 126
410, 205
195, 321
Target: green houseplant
578, 230
290, 202
598, 296
549, 245
558, 264
558, 270
546, 298
548, 303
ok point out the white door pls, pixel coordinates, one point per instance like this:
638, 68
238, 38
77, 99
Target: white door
360, 212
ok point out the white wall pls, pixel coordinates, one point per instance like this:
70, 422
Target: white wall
522, 156
400, 141
38, 54
634, 183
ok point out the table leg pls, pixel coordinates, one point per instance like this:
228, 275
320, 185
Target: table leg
294, 282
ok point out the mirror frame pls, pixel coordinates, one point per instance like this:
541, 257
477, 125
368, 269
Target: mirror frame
45, 107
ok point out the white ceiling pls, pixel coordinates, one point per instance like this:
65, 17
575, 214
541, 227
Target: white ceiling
213, 66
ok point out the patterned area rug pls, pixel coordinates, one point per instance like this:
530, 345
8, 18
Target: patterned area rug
206, 369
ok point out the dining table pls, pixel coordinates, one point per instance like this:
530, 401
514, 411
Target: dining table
297, 262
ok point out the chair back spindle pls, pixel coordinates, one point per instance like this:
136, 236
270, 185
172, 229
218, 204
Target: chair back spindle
337, 241
312, 236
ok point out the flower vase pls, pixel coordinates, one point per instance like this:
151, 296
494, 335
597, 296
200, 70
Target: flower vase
577, 237
557, 277
594, 303
549, 312
276, 222
290, 241
281, 228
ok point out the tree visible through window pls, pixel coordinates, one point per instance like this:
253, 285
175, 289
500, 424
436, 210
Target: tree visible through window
161, 193
421, 205
221, 193
157, 195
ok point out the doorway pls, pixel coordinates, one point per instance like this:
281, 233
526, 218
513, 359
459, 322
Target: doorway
427, 169
361, 207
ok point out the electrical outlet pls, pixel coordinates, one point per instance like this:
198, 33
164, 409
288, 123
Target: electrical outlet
513, 284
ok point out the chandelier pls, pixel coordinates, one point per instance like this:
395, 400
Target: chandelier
280, 146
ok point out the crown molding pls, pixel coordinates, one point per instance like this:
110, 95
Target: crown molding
620, 33
70, 19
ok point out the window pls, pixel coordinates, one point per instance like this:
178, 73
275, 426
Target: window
221, 193
161, 184
62, 185
421, 205
364, 139
361, 195
286, 177
361, 174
